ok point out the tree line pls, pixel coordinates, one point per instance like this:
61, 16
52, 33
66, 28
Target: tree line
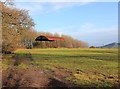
69, 42
18, 31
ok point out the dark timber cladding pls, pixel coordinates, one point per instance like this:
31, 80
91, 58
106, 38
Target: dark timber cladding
48, 38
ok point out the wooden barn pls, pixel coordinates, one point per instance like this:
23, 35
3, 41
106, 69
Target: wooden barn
50, 39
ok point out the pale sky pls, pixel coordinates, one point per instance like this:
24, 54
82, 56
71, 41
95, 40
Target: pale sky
93, 22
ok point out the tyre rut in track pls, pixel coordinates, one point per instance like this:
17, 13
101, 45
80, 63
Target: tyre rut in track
29, 77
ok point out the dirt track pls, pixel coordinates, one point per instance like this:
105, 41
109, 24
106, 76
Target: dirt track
19, 78
31, 77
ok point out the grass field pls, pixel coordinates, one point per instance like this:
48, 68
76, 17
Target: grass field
83, 67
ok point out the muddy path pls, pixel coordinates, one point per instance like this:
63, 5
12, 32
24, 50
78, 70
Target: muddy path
32, 77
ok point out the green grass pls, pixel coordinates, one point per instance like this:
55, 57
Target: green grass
97, 65
6, 62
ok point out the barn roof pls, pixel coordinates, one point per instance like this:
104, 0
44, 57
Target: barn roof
48, 38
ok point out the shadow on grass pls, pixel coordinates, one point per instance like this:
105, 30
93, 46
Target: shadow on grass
97, 57
53, 83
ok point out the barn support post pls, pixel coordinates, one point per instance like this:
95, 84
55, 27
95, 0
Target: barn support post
56, 44
50, 44
41, 45
59, 44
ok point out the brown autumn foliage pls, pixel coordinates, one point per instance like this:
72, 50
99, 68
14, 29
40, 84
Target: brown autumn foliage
18, 31
69, 42
16, 25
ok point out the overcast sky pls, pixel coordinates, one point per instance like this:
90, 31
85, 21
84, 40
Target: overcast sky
94, 22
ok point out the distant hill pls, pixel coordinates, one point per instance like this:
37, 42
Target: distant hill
111, 45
